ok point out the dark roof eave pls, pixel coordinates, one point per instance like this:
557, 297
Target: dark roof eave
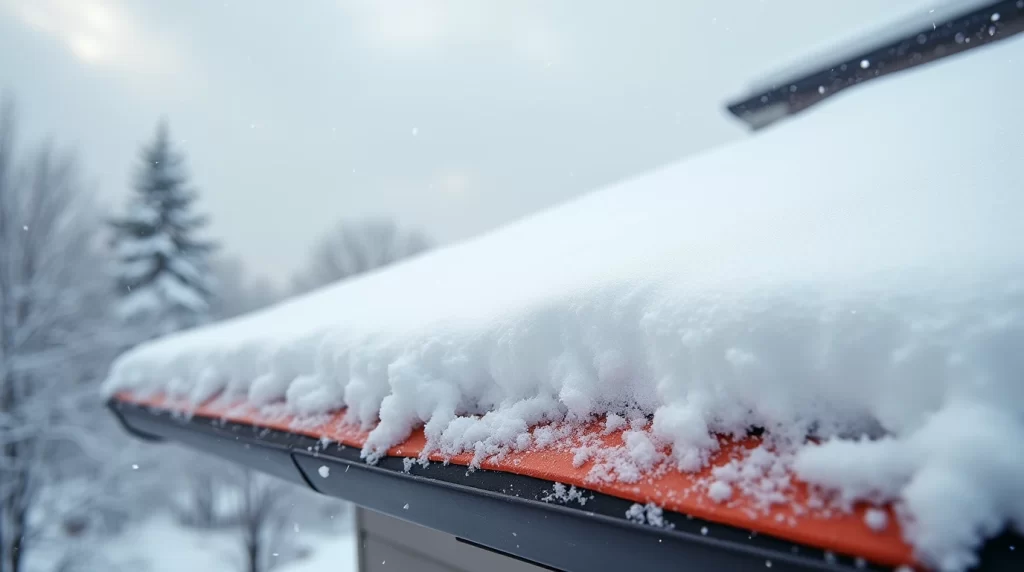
973, 29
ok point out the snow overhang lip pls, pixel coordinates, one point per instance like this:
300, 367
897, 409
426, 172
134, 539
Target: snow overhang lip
486, 506
917, 44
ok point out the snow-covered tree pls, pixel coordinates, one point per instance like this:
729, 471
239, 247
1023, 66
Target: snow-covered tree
54, 341
355, 247
162, 270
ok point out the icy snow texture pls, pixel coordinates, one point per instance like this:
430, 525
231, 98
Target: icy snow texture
720, 491
649, 514
559, 492
856, 270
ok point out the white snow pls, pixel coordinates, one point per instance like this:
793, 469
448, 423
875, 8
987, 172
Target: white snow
324, 471
876, 519
641, 450
160, 544
335, 553
649, 514
559, 492
159, 243
613, 422
854, 271
720, 491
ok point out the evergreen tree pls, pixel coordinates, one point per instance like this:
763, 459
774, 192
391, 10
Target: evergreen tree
162, 266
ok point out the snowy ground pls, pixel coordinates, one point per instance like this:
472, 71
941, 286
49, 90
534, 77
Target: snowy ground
160, 544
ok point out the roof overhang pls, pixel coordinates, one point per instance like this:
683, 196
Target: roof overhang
941, 33
507, 505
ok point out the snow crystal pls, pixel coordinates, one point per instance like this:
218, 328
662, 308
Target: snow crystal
760, 474
726, 291
613, 423
641, 450
559, 492
649, 514
876, 519
581, 455
720, 491
628, 462
636, 513
324, 471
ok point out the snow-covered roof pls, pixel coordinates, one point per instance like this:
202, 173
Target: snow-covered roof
856, 271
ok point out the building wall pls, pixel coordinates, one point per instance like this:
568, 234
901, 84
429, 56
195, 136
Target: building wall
390, 544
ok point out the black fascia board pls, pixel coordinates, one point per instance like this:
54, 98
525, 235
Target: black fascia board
504, 512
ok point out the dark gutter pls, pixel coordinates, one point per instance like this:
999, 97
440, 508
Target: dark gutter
503, 512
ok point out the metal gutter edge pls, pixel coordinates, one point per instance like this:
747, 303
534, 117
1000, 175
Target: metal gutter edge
507, 513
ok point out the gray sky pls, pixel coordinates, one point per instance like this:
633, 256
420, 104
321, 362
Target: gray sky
452, 116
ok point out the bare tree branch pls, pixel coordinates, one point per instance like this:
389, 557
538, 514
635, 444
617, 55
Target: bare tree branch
53, 336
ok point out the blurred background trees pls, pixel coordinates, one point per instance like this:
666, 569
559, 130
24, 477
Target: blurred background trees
353, 247
77, 287
57, 337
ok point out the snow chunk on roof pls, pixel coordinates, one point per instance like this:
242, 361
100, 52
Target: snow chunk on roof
856, 271
720, 491
876, 519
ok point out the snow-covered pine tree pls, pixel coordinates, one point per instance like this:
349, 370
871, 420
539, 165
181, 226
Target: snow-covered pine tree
162, 265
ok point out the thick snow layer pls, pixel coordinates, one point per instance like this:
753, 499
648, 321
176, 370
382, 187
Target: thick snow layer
856, 274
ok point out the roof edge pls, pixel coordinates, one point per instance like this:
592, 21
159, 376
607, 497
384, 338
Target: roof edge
789, 94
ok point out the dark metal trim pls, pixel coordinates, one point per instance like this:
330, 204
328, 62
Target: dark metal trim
923, 45
503, 512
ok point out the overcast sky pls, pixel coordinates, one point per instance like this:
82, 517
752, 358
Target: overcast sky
451, 116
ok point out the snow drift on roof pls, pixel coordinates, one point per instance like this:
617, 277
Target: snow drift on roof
855, 275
